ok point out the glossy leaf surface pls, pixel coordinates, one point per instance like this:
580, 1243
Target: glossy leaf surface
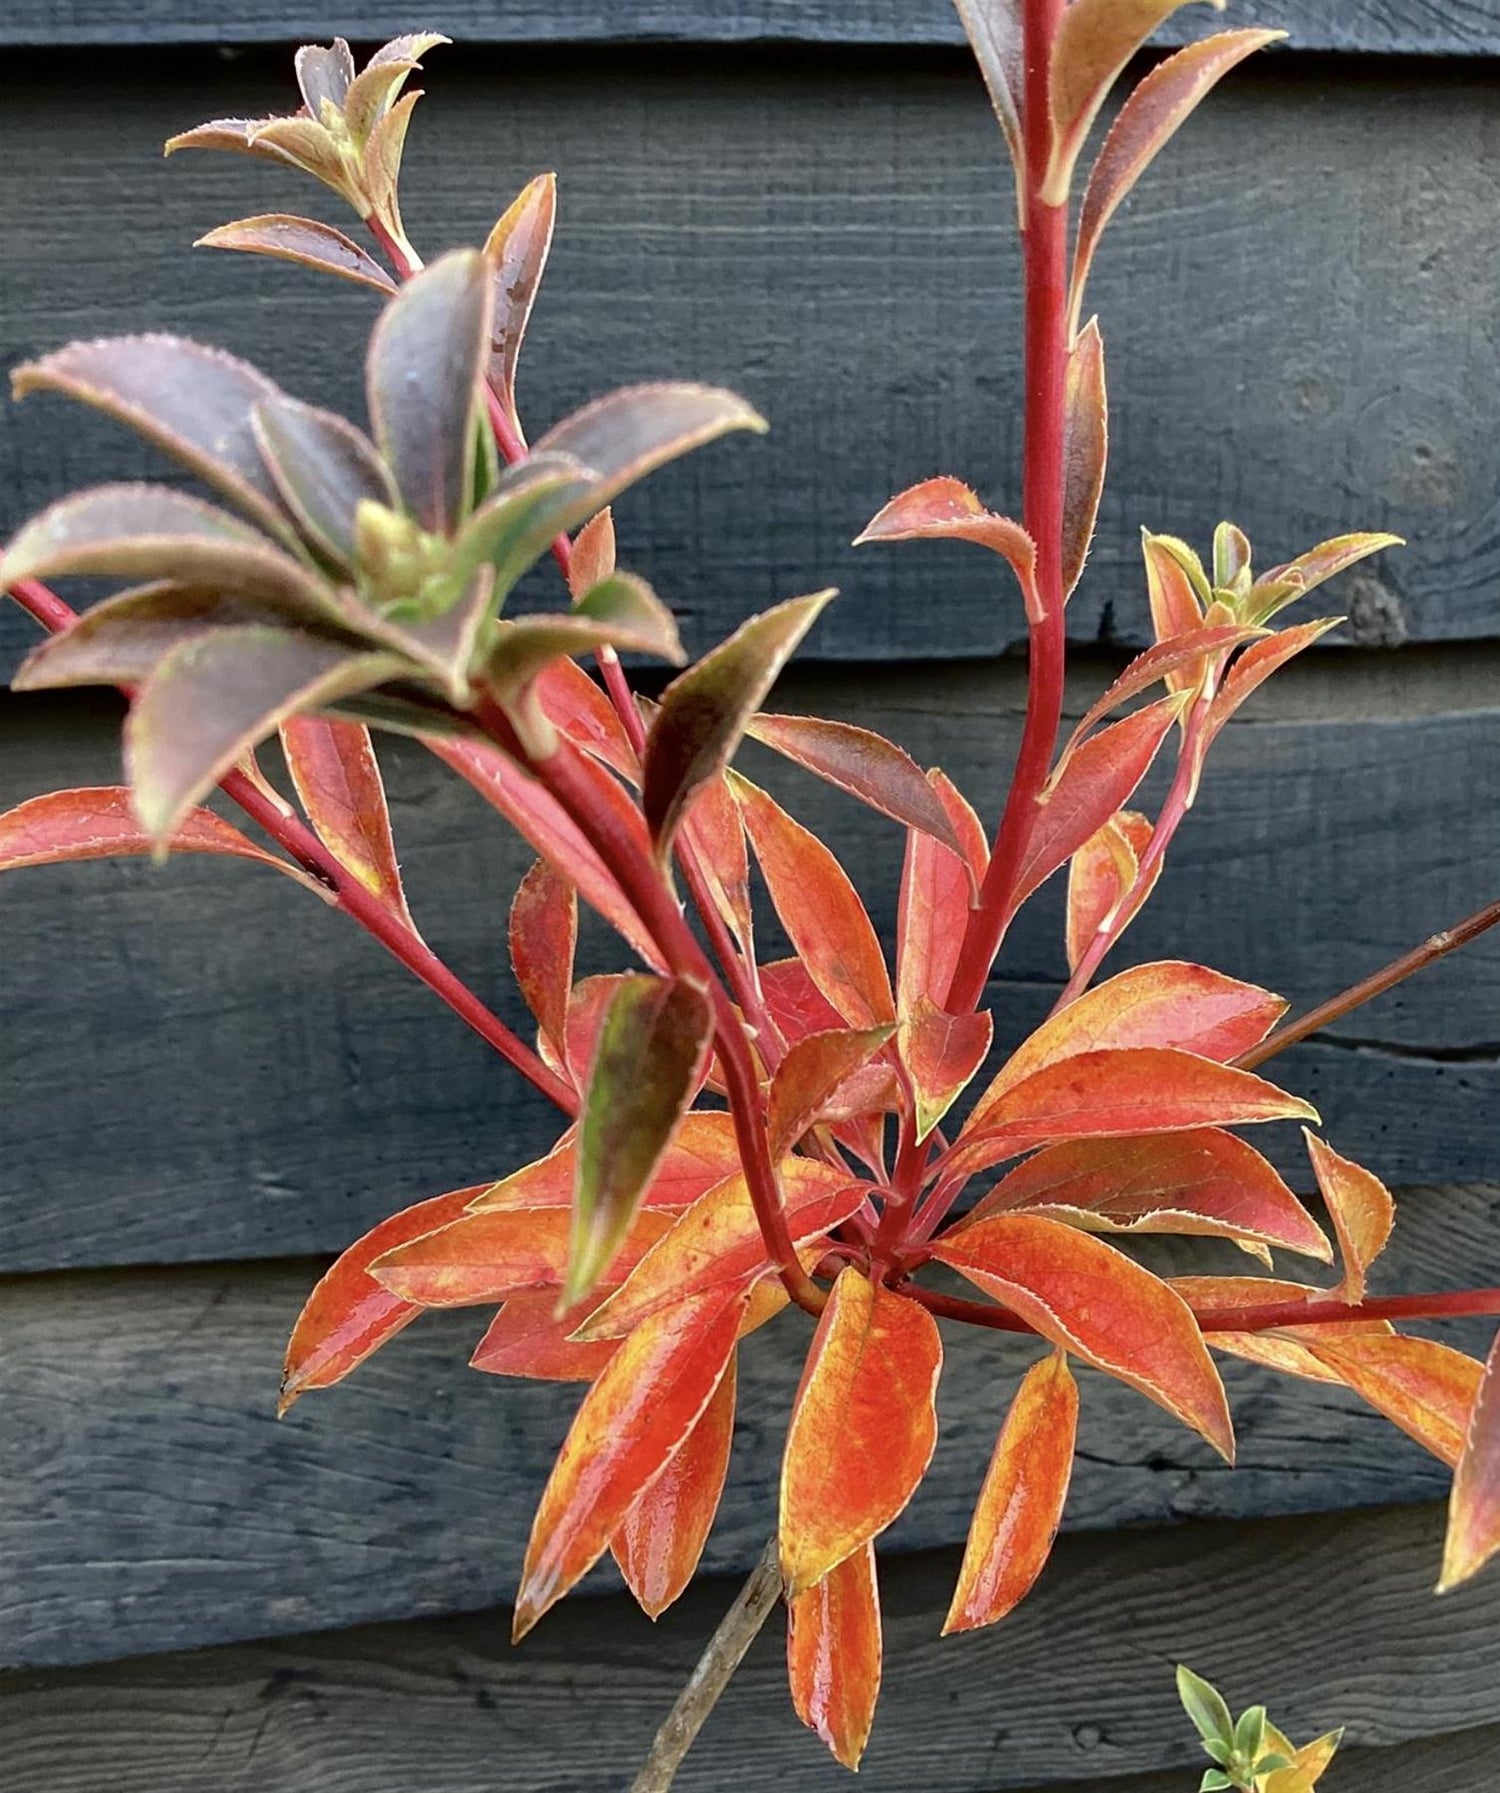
1361, 1210
337, 777
633, 1421
659, 1544
529, 1338
863, 1426
833, 1650
1092, 1300
1425, 1388
350, 1313
1021, 1503
704, 711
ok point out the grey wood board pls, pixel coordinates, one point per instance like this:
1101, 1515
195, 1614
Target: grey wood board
1430, 27
1297, 307
206, 1063
154, 1501
1329, 1621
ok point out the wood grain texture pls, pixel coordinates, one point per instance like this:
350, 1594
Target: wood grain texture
1295, 308
205, 1063
1329, 1620
1429, 27
154, 1502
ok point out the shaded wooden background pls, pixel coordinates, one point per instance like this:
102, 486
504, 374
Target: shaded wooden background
806, 200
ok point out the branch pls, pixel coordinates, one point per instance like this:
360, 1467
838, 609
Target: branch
726, 1650
1438, 946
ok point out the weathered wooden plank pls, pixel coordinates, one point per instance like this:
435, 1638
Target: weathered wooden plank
154, 1501
174, 1090
1432, 27
1329, 1621
835, 239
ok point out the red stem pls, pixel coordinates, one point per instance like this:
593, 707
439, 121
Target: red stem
348, 893
1044, 248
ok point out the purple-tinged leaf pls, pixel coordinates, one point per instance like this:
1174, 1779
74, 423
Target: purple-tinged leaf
646, 1068
543, 941
192, 402
148, 532
704, 713
1095, 40
120, 641
516, 251
422, 372
237, 135
864, 764
1085, 449
995, 34
306, 241
323, 468
947, 510
530, 504
376, 87
337, 777
1156, 108
324, 73
212, 699
100, 823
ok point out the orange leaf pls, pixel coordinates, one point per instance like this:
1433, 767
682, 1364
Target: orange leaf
1426, 1389
796, 1004
659, 1544
937, 889
1285, 1350
1114, 1094
528, 1338
1091, 784
820, 910
543, 939
718, 1241
941, 1053
349, 1314
863, 1426
716, 832
485, 1256
1361, 1209
577, 708
1256, 665
1101, 875
1202, 1181
1085, 448
632, 1423
1164, 663
810, 1074
337, 776
833, 1649
1095, 1302
1474, 1506
1021, 1504
1168, 1003
946, 509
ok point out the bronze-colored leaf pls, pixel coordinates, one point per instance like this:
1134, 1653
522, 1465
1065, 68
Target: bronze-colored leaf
324, 73
306, 241
593, 556
377, 86
516, 250
947, 510
337, 777
120, 641
1085, 449
995, 33
704, 713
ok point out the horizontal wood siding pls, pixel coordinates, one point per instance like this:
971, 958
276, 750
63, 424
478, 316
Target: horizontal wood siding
1429, 27
832, 234
1329, 1621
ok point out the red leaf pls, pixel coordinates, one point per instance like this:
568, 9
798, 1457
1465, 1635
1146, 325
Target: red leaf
1424, 1388
659, 1544
1203, 1181
715, 831
820, 910
527, 1338
937, 888
1164, 662
1474, 1507
1361, 1210
1177, 599
337, 776
1092, 1300
808, 1076
543, 939
99, 822
866, 765
574, 704
350, 1314
1112, 1095
1166, 1003
833, 1651
946, 509
718, 1241
632, 1423
1094, 781
702, 1153
1085, 449
796, 1004
863, 1426
1256, 665
1021, 1504
941, 1052
1101, 875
